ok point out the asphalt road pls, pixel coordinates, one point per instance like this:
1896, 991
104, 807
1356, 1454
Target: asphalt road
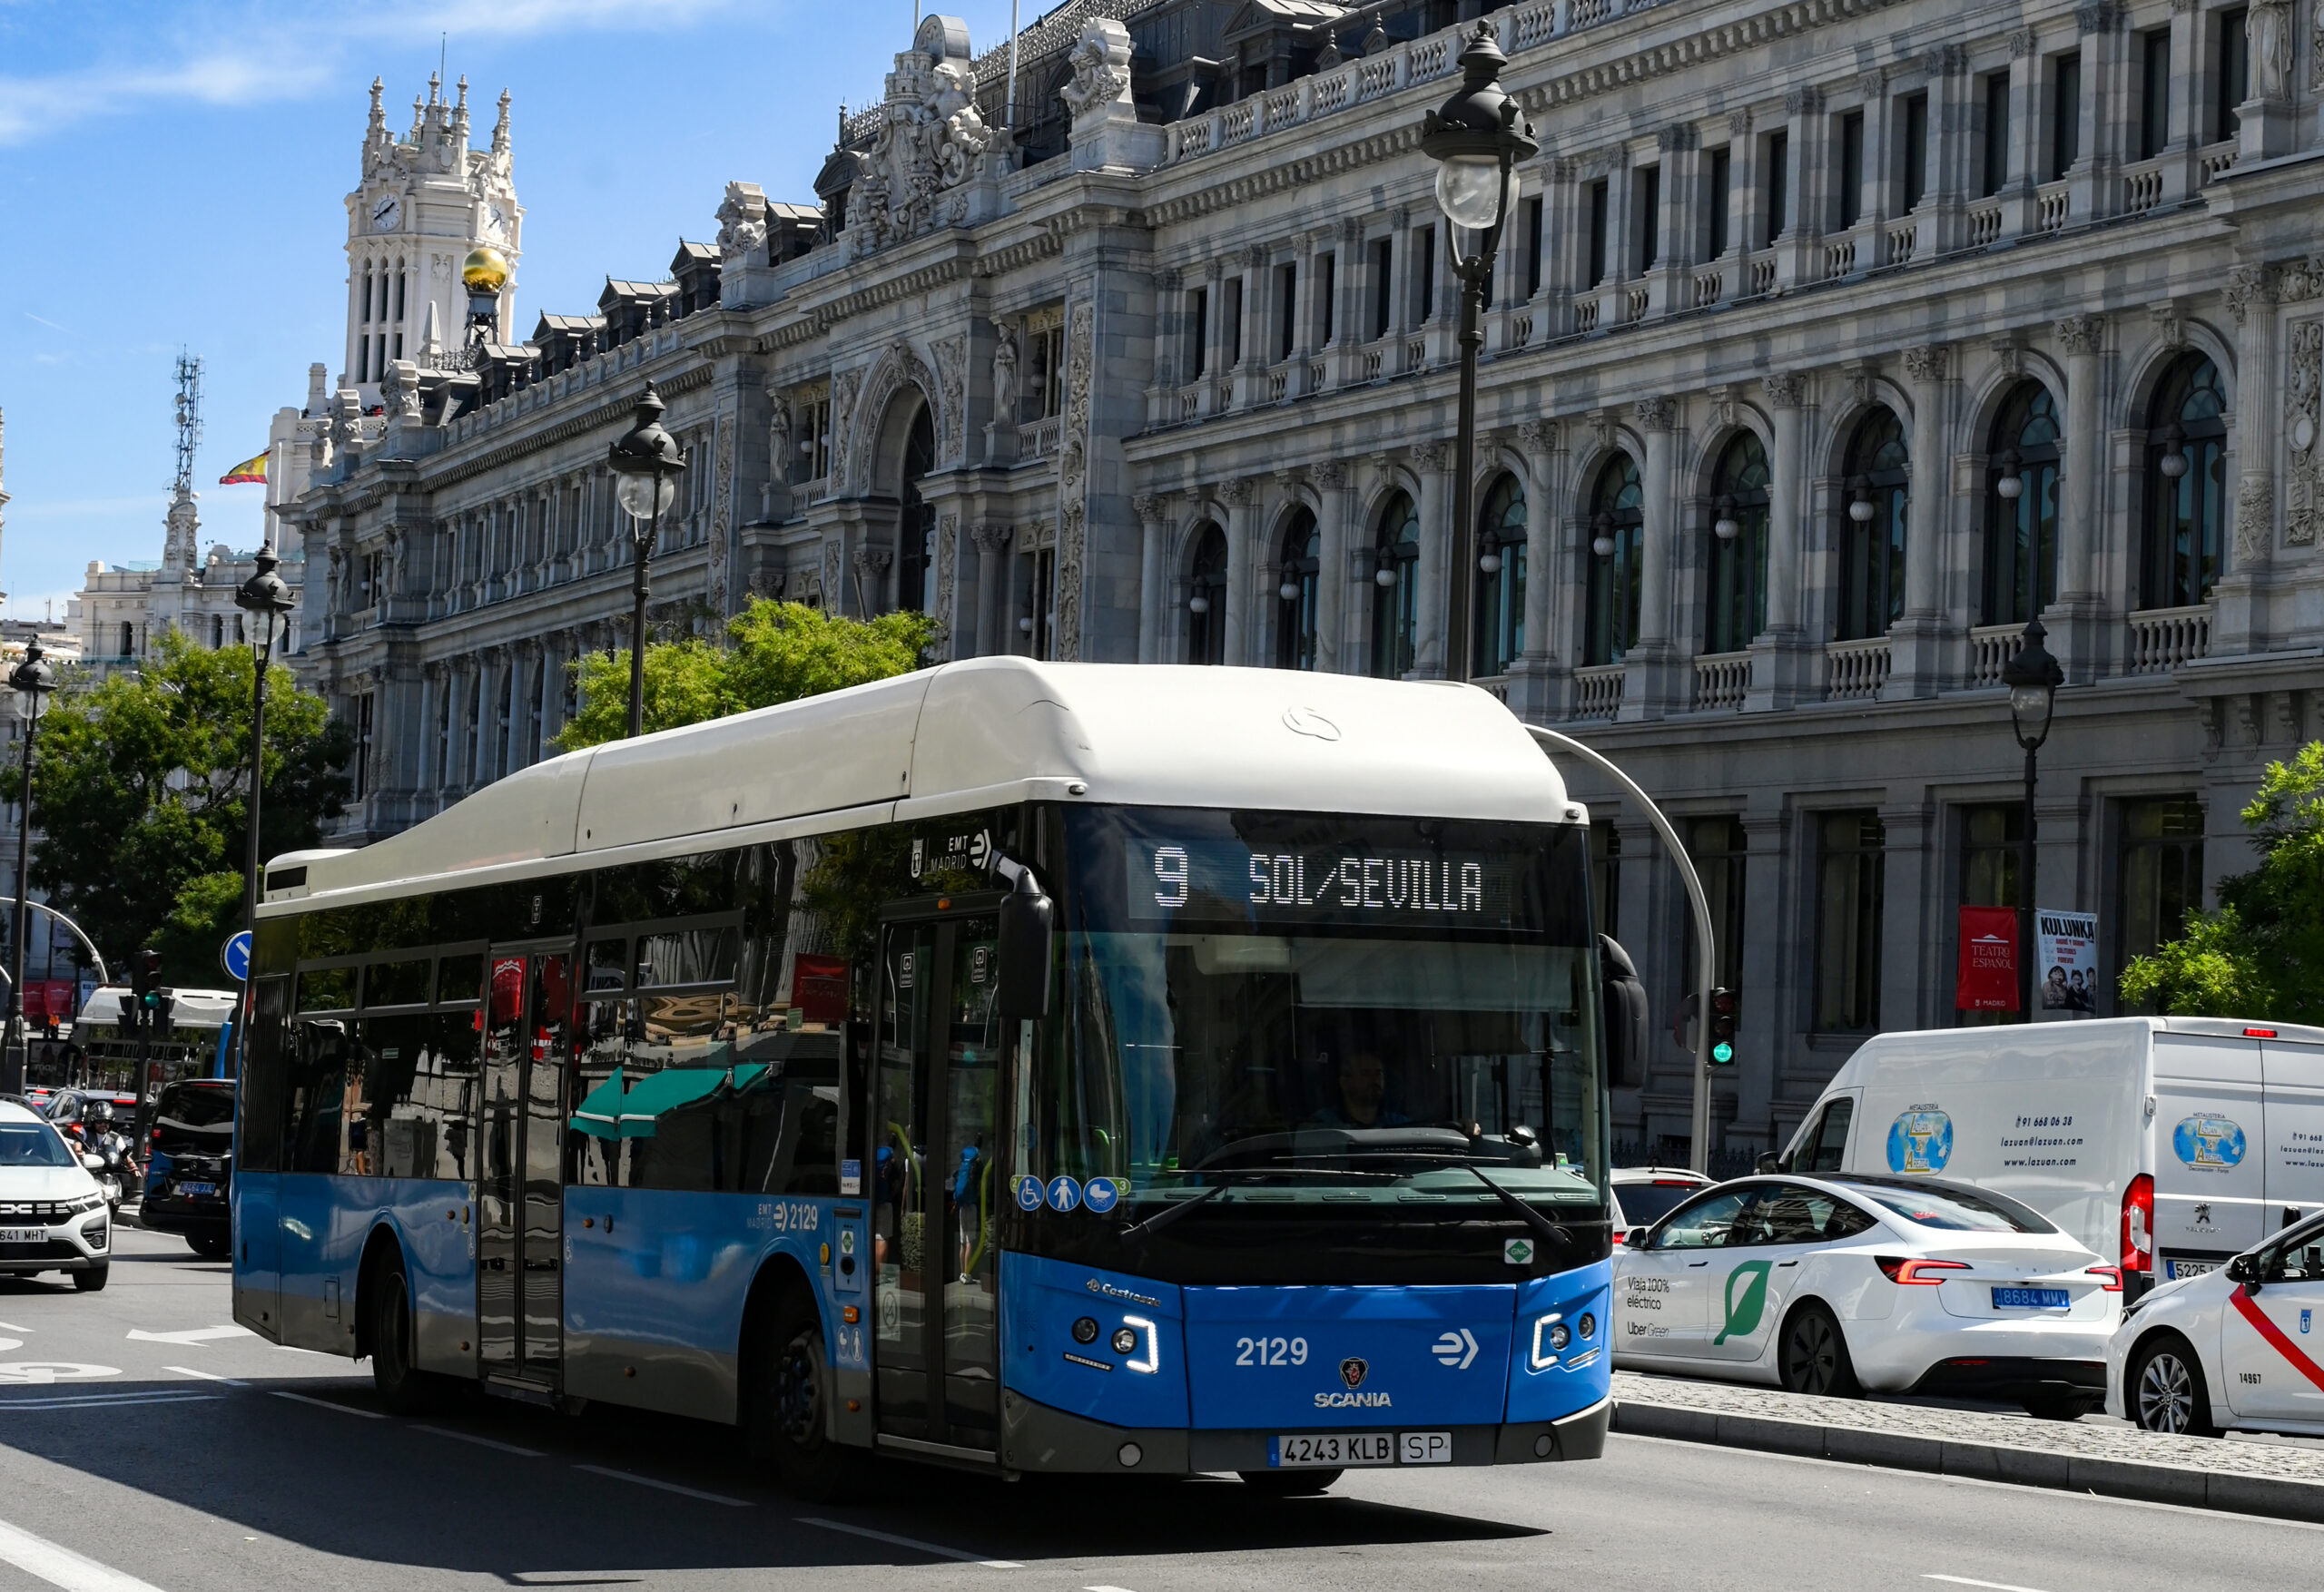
145, 1444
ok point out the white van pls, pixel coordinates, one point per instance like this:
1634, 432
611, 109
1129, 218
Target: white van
2176, 1143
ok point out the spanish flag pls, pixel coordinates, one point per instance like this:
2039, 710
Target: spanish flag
250, 469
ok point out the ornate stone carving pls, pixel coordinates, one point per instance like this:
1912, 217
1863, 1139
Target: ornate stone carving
1099, 62
927, 143
742, 221
1332, 474
898, 368
1738, 124
828, 588
1430, 457
2169, 319
722, 482
1803, 102
2248, 285
1677, 136
1930, 362
846, 385
2303, 431
2301, 281
2255, 512
1153, 509
1872, 84
1601, 428
2021, 43
1073, 475
948, 557
1537, 437
1241, 492
1785, 388
1004, 373
1656, 414
2267, 26
778, 436
951, 395
1946, 61
2315, 48
2097, 16
2080, 334
990, 541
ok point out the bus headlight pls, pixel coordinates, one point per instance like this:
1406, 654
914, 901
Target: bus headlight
1549, 1332
1134, 1324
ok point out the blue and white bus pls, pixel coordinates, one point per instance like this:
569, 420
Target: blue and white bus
1036, 1067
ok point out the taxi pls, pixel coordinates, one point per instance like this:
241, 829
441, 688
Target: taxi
2241, 1348
1846, 1284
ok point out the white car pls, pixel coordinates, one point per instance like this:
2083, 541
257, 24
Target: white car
1845, 1284
1643, 1195
53, 1216
2240, 1347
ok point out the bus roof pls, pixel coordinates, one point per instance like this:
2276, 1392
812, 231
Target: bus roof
983, 732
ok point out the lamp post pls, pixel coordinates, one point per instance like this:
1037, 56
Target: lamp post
32, 679
645, 461
2033, 677
1475, 137
264, 597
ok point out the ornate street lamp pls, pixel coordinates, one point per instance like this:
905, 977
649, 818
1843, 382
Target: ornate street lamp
32, 679
646, 463
2033, 677
1475, 137
264, 597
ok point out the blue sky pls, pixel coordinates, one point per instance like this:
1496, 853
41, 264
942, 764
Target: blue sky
173, 175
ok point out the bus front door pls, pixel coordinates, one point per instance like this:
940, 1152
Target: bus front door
520, 1196
937, 1184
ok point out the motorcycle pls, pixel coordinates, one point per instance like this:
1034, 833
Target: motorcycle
121, 1173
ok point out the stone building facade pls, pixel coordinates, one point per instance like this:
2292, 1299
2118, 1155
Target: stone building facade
1828, 342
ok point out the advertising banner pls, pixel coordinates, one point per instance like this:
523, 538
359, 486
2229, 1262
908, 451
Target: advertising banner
2065, 960
1987, 979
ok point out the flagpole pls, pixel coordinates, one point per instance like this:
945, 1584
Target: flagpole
1010, 115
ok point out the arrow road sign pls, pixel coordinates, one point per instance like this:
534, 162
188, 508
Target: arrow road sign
235, 955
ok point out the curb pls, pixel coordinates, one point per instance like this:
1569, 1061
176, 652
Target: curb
2271, 1497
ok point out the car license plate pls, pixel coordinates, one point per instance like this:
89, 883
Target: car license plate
2174, 1269
23, 1234
1331, 1451
197, 1189
2031, 1299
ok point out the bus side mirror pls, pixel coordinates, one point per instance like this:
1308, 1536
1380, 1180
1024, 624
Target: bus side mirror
1024, 952
1626, 1026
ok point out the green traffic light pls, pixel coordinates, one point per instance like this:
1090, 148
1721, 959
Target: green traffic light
1722, 1053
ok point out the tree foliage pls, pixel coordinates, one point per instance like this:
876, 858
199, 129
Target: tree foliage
776, 653
2262, 953
140, 793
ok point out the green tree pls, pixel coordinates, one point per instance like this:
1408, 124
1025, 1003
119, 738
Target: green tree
140, 793
776, 653
2262, 953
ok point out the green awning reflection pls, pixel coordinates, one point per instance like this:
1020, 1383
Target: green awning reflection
609, 1113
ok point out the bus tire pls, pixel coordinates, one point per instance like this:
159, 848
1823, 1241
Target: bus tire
403, 1386
1290, 1483
792, 1423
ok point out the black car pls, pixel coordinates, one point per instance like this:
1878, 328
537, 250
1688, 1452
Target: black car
190, 1165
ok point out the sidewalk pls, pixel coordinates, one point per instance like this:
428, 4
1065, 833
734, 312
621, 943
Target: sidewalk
2112, 1461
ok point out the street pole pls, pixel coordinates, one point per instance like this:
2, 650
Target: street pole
642, 549
263, 595
1475, 273
645, 460
12, 1071
2033, 677
2025, 899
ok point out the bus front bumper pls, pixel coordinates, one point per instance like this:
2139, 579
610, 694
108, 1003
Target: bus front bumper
1039, 1440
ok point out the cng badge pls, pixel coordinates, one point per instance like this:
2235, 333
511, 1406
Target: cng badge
1517, 1252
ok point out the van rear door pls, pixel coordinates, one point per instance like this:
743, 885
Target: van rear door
2209, 1177
2292, 1074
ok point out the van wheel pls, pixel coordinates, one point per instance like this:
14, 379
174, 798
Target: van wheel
1813, 1356
403, 1386
212, 1247
2164, 1388
791, 1420
95, 1278
1290, 1483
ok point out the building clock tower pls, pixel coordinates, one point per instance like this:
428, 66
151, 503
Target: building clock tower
426, 199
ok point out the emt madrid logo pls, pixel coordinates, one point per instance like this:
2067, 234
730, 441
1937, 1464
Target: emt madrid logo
2209, 1144
1744, 1309
1920, 1141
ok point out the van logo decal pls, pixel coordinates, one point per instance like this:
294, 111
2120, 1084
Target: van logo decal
2209, 1144
1921, 1140
1745, 1308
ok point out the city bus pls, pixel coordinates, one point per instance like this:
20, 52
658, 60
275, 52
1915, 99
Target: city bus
1033, 1068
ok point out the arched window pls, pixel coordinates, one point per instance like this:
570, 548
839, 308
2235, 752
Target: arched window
1395, 593
1617, 541
1736, 584
1206, 597
1500, 589
217, 631
2186, 487
916, 520
1874, 508
1294, 630
2022, 514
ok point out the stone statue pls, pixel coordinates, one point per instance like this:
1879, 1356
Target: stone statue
742, 221
778, 437
2270, 45
1100, 60
1004, 373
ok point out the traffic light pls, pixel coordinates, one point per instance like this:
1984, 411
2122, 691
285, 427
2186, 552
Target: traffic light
1722, 1028
144, 992
159, 1005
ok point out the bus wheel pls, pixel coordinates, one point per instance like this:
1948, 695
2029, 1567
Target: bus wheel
402, 1387
1290, 1483
793, 1417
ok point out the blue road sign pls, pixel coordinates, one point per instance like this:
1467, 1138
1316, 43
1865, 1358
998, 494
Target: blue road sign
236, 956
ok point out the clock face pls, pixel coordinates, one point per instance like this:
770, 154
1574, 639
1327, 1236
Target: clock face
496, 221
386, 211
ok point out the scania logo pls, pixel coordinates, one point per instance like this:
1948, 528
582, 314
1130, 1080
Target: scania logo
1352, 1373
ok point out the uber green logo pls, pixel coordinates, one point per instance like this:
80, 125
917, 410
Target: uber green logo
1744, 1309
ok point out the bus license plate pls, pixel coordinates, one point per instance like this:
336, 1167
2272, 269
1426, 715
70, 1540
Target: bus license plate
1331, 1450
23, 1234
2031, 1299
197, 1189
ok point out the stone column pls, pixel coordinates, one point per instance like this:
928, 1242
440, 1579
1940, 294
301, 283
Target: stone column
1784, 658
1651, 684
992, 590
1539, 671
1438, 541
2241, 624
1242, 499
1337, 493
2082, 339
1154, 520
1250, 371
1915, 667
1795, 250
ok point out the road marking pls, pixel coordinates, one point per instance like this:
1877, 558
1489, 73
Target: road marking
207, 1376
327, 1404
41, 1372
713, 1498
61, 1566
12, 1327
469, 1437
1105, 1589
914, 1543
190, 1336
108, 1401
1992, 1585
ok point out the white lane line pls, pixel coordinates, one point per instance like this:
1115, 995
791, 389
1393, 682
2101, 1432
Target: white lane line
10, 1327
469, 1437
109, 1400
327, 1404
713, 1498
914, 1543
1105, 1589
1994, 1586
61, 1566
205, 1376
192, 1337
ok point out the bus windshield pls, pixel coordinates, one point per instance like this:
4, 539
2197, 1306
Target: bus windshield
1261, 1009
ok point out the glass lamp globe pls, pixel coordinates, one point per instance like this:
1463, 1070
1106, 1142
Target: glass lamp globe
1490, 564
1385, 575
1468, 190
1602, 544
2174, 464
1860, 510
642, 497
2174, 455
1198, 604
1289, 591
1726, 527
2029, 704
1025, 626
